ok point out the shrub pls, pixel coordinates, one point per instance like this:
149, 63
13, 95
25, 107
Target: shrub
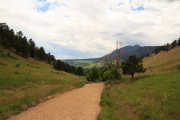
112, 74
2, 54
178, 67
92, 75
8, 54
102, 74
79, 71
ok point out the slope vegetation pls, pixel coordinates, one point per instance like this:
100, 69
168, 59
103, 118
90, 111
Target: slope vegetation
152, 96
26, 82
85, 63
163, 61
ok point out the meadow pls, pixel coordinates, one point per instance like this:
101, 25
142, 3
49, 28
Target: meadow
26, 82
86, 63
151, 96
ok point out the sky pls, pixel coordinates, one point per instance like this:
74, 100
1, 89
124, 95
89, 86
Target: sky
74, 29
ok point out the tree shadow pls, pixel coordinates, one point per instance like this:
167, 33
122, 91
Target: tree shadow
137, 78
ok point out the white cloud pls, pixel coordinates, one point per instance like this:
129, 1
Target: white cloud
91, 26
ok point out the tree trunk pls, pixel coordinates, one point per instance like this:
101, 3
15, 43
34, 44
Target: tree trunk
132, 75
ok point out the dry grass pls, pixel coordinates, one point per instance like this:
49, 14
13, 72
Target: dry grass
164, 61
26, 82
151, 96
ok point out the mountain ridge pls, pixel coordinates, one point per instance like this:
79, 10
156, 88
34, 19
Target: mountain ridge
126, 51
137, 50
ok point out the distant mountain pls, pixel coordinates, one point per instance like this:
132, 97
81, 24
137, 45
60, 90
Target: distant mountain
125, 53
137, 50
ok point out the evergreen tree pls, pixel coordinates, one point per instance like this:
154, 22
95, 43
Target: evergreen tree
174, 44
179, 42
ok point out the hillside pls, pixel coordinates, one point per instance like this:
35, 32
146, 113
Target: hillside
151, 96
27, 48
26, 82
163, 61
137, 50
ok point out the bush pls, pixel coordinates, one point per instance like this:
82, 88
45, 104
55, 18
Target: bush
112, 74
178, 67
92, 74
102, 74
2, 54
79, 71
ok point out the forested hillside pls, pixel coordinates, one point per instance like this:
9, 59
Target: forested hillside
21, 45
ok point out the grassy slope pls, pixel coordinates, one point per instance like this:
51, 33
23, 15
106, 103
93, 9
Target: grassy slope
26, 82
153, 96
164, 61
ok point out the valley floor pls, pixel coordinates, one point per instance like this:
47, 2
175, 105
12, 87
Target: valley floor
78, 104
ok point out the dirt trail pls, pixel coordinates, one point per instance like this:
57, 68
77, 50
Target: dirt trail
78, 104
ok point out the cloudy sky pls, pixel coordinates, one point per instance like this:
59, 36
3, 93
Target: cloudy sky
89, 28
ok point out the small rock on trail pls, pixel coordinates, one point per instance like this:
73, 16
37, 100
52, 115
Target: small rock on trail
78, 104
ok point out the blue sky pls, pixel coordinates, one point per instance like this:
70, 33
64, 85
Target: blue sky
43, 8
138, 7
44, 5
85, 29
68, 51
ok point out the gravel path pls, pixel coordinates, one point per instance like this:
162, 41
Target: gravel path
78, 104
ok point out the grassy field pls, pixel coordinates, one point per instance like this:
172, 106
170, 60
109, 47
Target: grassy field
152, 96
86, 63
26, 82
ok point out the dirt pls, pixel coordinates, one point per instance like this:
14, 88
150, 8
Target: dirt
78, 104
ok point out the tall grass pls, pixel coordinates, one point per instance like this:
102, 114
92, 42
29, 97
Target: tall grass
151, 97
162, 62
26, 82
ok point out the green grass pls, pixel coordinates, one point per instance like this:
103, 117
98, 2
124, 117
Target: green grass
86, 63
150, 97
26, 82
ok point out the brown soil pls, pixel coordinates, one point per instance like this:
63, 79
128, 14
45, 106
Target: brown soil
78, 104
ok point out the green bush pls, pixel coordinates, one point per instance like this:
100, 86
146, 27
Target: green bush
112, 74
2, 54
92, 74
178, 67
102, 74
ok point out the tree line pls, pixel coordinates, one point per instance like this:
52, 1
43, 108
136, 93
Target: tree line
22, 46
112, 73
168, 46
